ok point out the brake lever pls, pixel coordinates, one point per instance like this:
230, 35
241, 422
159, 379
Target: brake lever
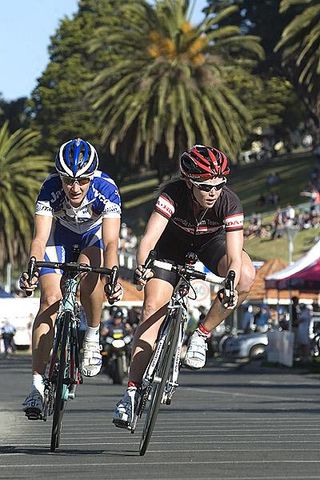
113, 282
226, 294
30, 272
151, 257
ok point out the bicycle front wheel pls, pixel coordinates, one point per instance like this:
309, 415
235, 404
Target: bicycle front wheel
160, 377
60, 400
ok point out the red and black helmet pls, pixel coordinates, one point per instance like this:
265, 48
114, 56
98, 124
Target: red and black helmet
201, 163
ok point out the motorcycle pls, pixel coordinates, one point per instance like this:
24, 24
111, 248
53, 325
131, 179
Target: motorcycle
116, 354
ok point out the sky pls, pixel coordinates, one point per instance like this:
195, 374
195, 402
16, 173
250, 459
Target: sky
26, 28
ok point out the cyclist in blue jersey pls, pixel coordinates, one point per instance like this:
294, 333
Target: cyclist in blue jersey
76, 206
197, 212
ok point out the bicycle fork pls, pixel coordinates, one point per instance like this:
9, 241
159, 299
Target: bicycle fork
172, 382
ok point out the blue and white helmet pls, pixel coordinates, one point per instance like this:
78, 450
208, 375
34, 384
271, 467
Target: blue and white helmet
77, 158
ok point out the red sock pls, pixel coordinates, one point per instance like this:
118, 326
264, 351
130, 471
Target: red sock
202, 329
133, 384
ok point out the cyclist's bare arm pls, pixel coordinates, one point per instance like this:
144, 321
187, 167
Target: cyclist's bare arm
228, 296
234, 246
110, 236
154, 229
42, 228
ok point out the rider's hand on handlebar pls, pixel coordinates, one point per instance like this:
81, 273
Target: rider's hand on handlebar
142, 275
229, 302
117, 294
26, 285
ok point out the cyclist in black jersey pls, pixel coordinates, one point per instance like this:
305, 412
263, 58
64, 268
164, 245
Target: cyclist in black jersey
198, 213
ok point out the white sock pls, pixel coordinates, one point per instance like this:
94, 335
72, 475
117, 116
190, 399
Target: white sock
37, 383
92, 334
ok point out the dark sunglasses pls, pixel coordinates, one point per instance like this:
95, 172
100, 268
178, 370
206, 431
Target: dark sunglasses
80, 181
205, 187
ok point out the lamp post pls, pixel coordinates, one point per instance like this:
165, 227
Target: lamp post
291, 231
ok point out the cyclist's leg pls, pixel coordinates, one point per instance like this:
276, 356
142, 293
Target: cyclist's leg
42, 338
157, 295
92, 297
57, 250
196, 353
43, 331
91, 288
217, 312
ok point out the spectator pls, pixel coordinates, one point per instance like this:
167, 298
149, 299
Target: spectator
247, 320
303, 333
295, 313
290, 214
295, 319
314, 198
261, 201
277, 225
261, 319
8, 332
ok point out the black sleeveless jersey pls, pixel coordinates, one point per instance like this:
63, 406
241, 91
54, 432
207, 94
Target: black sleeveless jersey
177, 205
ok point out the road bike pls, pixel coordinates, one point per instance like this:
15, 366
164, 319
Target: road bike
64, 367
160, 379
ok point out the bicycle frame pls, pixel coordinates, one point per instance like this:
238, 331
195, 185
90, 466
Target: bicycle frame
177, 312
64, 367
161, 376
69, 304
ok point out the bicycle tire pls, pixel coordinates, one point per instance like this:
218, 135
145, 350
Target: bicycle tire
59, 401
162, 371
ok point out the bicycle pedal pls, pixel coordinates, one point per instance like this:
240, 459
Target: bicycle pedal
33, 414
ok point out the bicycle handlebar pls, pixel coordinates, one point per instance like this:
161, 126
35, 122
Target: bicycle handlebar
73, 267
190, 272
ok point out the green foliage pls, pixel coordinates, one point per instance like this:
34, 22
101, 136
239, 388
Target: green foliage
59, 102
15, 112
21, 174
164, 87
260, 18
272, 100
300, 47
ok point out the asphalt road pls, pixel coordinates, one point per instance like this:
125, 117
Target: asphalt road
226, 422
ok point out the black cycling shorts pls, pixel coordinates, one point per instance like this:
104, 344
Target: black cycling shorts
173, 250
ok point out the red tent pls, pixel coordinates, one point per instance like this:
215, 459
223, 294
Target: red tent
303, 275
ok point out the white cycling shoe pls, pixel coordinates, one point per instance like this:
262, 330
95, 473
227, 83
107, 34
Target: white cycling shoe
91, 359
33, 405
196, 353
124, 411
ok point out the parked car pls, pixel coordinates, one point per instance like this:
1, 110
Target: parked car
251, 345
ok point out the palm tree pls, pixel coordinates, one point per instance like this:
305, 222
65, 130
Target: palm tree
21, 174
166, 87
300, 46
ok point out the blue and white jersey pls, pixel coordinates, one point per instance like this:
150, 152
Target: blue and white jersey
101, 201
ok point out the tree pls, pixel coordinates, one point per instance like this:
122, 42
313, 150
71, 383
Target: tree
269, 93
21, 173
165, 84
16, 112
300, 47
260, 18
59, 104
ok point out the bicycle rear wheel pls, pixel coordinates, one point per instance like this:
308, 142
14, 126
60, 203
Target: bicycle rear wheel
60, 400
160, 377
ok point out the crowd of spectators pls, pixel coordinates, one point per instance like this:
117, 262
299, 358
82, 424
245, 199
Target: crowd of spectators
289, 216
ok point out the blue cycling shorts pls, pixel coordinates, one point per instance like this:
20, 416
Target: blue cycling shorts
62, 240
